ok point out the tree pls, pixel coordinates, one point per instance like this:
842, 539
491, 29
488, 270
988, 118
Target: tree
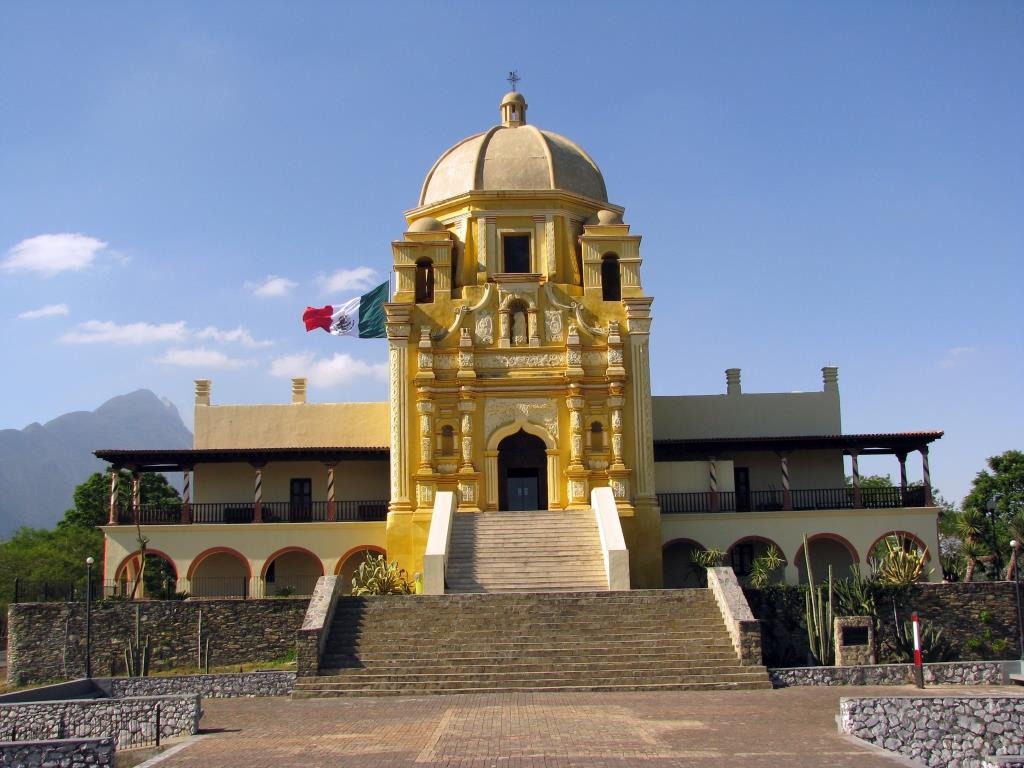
970, 528
871, 481
92, 498
1004, 482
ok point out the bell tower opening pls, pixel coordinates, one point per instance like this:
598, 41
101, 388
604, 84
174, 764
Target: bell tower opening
522, 473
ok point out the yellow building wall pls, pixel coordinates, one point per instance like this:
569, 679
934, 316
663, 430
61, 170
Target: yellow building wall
294, 425
353, 481
861, 528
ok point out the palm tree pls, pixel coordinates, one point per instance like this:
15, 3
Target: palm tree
970, 527
1016, 526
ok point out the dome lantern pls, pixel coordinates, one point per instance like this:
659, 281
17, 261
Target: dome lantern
513, 110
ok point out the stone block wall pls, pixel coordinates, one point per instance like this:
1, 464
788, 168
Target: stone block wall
953, 731
46, 641
956, 609
743, 628
66, 753
130, 722
273, 683
952, 673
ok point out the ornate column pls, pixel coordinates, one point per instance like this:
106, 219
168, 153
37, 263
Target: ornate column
615, 403
926, 476
858, 502
136, 493
332, 507
531, 324
186, 496
115, 477
638, 320
554, 478
902, 458
469, 480
398, 328
576, 473
491, 478
504, 332
425, 408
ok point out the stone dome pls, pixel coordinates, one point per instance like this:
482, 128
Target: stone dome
511, 157
426, 224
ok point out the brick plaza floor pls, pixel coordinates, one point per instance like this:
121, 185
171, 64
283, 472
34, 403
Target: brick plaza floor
789, 727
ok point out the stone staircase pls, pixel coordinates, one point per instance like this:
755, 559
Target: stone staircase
585, 641
525, 552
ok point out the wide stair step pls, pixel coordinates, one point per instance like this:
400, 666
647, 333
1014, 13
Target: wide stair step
566, 641
525, 552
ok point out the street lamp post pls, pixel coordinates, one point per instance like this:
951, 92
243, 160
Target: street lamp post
1016, 546
88, 616
991, 505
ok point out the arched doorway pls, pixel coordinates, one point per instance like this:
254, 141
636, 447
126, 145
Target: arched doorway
522, 473
677, 567
291, 571
826, 550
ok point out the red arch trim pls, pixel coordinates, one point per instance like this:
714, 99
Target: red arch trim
285, 551
907, 534
763, 539
852, 550
214, 551
355, 550
134, 556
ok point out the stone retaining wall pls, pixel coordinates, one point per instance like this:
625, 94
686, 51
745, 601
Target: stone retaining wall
956, 609
66, 753
47, 640
275, 683
130, 722
949, 673
953, 731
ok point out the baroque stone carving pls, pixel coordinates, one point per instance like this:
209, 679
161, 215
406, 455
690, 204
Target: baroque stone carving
485, 328
534, 360
553, 324
536, 410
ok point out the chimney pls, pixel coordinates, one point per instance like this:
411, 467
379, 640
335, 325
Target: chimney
202, 391
830, 377
298, 391
732, 381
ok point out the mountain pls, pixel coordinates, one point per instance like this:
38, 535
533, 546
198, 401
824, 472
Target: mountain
41, 464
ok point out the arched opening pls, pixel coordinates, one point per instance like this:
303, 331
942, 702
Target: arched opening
291, 571
904, 540
424, 281
350, 562
518, 323
678, 570
611, 278
826, 550
743, 553
159, 579
596, 437
220, 572
447, 440
522, 473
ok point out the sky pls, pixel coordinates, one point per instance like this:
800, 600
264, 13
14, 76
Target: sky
816, 184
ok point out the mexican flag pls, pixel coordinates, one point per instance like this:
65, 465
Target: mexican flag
362, 316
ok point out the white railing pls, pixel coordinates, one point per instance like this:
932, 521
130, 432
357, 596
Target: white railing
435, 559
613, 545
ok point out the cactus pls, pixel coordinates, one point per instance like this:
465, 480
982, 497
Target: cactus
818, 612
136, 655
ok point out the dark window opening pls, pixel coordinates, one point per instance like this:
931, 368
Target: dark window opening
611, 279
424, 281
596, 436
447, 440
517, 253
742, 556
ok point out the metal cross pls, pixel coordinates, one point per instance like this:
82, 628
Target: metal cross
513, 78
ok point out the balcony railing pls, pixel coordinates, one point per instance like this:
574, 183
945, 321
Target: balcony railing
799, 500
245, 512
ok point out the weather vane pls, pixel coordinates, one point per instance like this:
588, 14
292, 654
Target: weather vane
513, 78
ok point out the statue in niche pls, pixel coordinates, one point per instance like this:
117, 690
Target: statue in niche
519, 328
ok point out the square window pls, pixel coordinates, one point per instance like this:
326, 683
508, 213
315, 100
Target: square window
516, 250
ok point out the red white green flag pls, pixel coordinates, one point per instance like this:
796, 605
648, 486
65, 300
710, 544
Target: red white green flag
362, 316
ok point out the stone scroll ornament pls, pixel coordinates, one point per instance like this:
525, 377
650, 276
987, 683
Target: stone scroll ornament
577, 309
461, 314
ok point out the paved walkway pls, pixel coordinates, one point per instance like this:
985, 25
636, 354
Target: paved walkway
756, 729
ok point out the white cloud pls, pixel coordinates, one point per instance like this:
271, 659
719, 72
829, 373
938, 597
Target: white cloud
956, 356
239, 335
271, 286
326, 372
358, 279
106, 332
50, 310
200, 357
50, 255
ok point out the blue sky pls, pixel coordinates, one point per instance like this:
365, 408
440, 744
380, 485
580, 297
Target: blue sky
816, 183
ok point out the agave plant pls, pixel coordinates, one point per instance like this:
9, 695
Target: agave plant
900, 564
764, 565
708, 558
376, 576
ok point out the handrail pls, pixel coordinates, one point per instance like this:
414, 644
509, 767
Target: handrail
435, 559
804, 499
613, 545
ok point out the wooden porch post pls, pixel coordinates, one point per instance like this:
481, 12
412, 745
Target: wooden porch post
136, 492
257, 498
115, 477
713, 503
332, 512
927, 477
787, 495
186, 495
902, 458
858, 502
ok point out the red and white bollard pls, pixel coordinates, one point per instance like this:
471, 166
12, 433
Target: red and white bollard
918, 665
